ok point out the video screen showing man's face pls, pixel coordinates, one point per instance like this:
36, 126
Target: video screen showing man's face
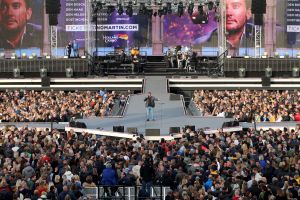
237, 14
14, 14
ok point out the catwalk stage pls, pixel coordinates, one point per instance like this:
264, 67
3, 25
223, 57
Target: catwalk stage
168, 113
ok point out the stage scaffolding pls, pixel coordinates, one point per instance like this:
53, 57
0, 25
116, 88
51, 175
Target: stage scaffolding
222, 28
89, 34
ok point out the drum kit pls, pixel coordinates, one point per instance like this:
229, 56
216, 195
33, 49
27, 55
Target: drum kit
179, 57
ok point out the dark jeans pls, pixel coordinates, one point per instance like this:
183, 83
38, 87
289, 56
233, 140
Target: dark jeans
146, 189
110, 191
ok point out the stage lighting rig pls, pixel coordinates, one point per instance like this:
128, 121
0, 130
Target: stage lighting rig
160, 12
200, 9
165, 10
129, 10
210, 5
110, 9
169, 8
120, 9
180, 9
142, 9
158, 2
149, 13
191, 8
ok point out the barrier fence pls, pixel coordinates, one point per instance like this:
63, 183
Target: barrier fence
124, 192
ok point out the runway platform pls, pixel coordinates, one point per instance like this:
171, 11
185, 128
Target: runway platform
171, 113
168, 113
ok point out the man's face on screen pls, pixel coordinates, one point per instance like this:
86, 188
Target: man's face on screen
14, 14
237, 14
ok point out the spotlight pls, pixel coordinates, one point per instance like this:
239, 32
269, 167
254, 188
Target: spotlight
120, 9
159, 2
150, 13
296, 72
99, 5
13, 56
143, 9
43, 72
94, 18
286, 55
34, 55
242, 72
110, 10
69, 72
160, 13
191, 8
165, 10
169, 8
17, 72
180, 9
129, 10
200, 10
268, 72
210, 5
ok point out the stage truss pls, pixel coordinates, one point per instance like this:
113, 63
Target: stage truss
258, 41
89, 34
53, 40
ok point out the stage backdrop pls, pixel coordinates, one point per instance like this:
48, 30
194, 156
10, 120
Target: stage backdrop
188, 31
114, 30
34, 26
123, 31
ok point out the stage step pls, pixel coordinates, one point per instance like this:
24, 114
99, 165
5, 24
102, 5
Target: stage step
156, 67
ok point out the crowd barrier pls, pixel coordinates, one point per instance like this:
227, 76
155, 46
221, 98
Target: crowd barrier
123, 192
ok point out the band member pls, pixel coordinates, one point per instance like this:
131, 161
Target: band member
75, 48
69, 49
122, 56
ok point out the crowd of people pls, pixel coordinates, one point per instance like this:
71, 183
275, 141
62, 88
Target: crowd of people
58, 106
249, 105
59, 165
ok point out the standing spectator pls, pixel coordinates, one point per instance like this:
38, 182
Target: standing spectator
122, 101
147, 174
109, 179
